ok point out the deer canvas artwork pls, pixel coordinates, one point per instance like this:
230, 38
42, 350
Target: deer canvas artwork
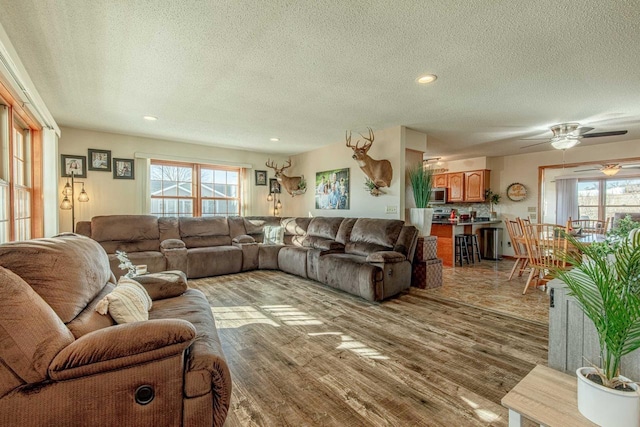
379, 172
294, 185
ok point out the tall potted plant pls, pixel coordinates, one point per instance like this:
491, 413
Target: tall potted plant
421, 180
607, 289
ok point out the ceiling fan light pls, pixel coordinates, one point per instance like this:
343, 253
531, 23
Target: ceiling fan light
563, 143
611, 170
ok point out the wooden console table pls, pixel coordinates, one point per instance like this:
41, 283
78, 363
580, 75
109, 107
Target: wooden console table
547, 397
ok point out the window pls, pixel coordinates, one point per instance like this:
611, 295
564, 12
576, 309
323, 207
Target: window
192, 189
16, 173
602, 198
21, 182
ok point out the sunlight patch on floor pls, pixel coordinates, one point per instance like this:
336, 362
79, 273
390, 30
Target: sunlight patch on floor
348, 343
237, 316
290, 315
483, 414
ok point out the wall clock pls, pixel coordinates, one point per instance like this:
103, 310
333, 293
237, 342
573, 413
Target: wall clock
517, 192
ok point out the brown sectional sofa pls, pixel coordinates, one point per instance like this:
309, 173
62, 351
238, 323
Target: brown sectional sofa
63, 364
367, 257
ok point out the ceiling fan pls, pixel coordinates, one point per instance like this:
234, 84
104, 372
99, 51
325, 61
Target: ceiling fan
567, 135
610, 169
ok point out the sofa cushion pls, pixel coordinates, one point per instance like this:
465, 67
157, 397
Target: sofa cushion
324, 227
322, 243
371, 235
89, 319
128, 302
213, 261
273, 235
236, 226
293, 260
386, 256
67, 271
203, 226
295, 230
205, 361
204, 232
31, 333
243, 238
168, 228
344, 232
126, 228
167, 284
383, 232
352, 274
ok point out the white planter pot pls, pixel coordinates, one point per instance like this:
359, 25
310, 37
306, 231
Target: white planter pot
421, 218
605, 406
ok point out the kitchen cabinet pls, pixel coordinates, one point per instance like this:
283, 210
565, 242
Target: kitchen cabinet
440, 180
475, 183
456, 187
467, 186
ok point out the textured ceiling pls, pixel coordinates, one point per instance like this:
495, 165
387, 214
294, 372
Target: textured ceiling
235, 73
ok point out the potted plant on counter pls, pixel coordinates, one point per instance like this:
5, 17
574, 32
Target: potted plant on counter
494, 199
421, 180
607, 289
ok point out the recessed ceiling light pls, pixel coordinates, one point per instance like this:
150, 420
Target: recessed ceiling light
150, 118
274, 139
427, 78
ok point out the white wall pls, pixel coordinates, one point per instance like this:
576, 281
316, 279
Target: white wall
471, 164
109, 196
389, 144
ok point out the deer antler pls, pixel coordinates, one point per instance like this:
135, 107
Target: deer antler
348, 138
273, 165
287, 166
370, 139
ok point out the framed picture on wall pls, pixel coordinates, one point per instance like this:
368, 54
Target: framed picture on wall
274, 186
261, 178
76, 165
99, 160
332, 189
123, 169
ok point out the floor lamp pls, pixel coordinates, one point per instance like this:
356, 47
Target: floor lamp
276, 203
67, 202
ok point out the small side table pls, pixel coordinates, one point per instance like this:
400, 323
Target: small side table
547, 397
427, 268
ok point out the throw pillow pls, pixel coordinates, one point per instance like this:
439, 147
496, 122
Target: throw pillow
128, 302
273, 235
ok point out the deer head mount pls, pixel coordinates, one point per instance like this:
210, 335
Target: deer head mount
293, 184
379, 172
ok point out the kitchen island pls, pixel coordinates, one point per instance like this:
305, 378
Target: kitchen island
446, 230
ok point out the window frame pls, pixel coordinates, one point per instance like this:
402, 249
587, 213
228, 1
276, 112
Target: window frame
197, 197
16, 114
602, 194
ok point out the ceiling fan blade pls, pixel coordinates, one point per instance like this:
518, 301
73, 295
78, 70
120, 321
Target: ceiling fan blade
583, 130
598, 134
588, 170
538, 143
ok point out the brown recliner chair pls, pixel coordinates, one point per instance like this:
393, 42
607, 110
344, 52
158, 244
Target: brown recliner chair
62, 363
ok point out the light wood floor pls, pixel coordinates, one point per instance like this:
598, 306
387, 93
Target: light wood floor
302, 354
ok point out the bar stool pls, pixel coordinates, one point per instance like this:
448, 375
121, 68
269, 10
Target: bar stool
461, 249
472, 242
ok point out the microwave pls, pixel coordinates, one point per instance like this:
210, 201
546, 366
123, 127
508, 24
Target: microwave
438, 196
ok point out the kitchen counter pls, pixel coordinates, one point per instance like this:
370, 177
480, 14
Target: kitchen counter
446, 230
448, 222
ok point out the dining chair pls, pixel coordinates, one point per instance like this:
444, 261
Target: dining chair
519, 247
546, 248
590, 226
